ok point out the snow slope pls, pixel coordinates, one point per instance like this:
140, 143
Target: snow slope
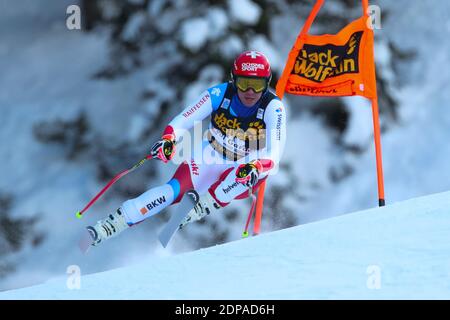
396, 252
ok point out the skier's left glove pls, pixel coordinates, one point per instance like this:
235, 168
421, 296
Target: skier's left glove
164, 149
248, 173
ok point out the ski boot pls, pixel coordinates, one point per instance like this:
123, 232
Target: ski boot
107, 228
205, 206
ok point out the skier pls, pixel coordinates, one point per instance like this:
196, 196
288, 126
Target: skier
243, 144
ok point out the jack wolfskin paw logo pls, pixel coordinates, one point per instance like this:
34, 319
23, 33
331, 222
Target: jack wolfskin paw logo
352, 44
256, 125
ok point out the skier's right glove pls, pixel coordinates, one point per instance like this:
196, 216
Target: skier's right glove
164, 149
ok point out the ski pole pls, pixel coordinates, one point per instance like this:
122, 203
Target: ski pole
250, 214
79, 214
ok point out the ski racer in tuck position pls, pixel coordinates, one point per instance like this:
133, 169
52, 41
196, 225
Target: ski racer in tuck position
243, 144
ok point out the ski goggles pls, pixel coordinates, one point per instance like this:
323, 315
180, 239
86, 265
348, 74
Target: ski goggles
257, 84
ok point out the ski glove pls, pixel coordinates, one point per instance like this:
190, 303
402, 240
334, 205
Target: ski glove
248, 174
164, 149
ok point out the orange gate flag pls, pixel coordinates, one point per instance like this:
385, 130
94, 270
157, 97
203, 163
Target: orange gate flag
332, 65
336, 65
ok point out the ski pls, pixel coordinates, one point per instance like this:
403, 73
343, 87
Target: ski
189, 200
85, 241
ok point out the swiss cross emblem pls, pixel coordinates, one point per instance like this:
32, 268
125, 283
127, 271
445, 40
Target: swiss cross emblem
253, 54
